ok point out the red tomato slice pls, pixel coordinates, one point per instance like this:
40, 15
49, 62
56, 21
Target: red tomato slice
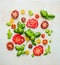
32, 23
15, 14
38, 50
18, 39
10, 46
44, 25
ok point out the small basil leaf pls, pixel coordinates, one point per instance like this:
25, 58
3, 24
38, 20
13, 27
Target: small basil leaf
45, 54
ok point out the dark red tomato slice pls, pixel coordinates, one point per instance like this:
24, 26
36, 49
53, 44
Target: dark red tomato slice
38, 50
15, 14
44, 24
18, 39
10, 46
32, 23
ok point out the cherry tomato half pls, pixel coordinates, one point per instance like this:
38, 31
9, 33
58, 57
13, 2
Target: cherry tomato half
18, 39
23, 19
10, 46
15, 14
13, 26
43, 35
32, 23
38, 50
37, 16
45, 41
44, 24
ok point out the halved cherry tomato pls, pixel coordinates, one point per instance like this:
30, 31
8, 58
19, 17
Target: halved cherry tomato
37, 16
44, 24
10, 46
13, 26
18, 39
43, 35
32, 23
15, 14
23, 19
38, 50
45, 41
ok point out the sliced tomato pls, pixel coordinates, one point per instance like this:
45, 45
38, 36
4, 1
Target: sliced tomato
32, 23
38, 50
10, 46
15, 14
18, 39
44, 24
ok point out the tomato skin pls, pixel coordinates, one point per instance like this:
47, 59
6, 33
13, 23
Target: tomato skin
14, 14
38, 50
44, 24
43, 35
45, 41
32, 23
18, 39
10, 46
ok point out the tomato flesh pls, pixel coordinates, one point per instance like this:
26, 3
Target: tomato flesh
38, 50
32, 23
18, 39
10, 46
15, 14
44, 24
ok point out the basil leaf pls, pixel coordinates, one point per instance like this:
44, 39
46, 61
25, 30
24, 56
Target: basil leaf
45, 54
50, 16
45, 15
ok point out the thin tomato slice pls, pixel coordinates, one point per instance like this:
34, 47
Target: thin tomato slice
38, 50
15, 14
18, 39
32, 23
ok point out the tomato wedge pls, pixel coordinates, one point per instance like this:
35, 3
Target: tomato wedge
38, 50
32, 23
18, 39
44, 24
10, 46
15, 14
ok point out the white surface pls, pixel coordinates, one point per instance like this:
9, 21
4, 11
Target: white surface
9, 57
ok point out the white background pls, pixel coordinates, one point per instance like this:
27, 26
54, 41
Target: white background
9, 57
